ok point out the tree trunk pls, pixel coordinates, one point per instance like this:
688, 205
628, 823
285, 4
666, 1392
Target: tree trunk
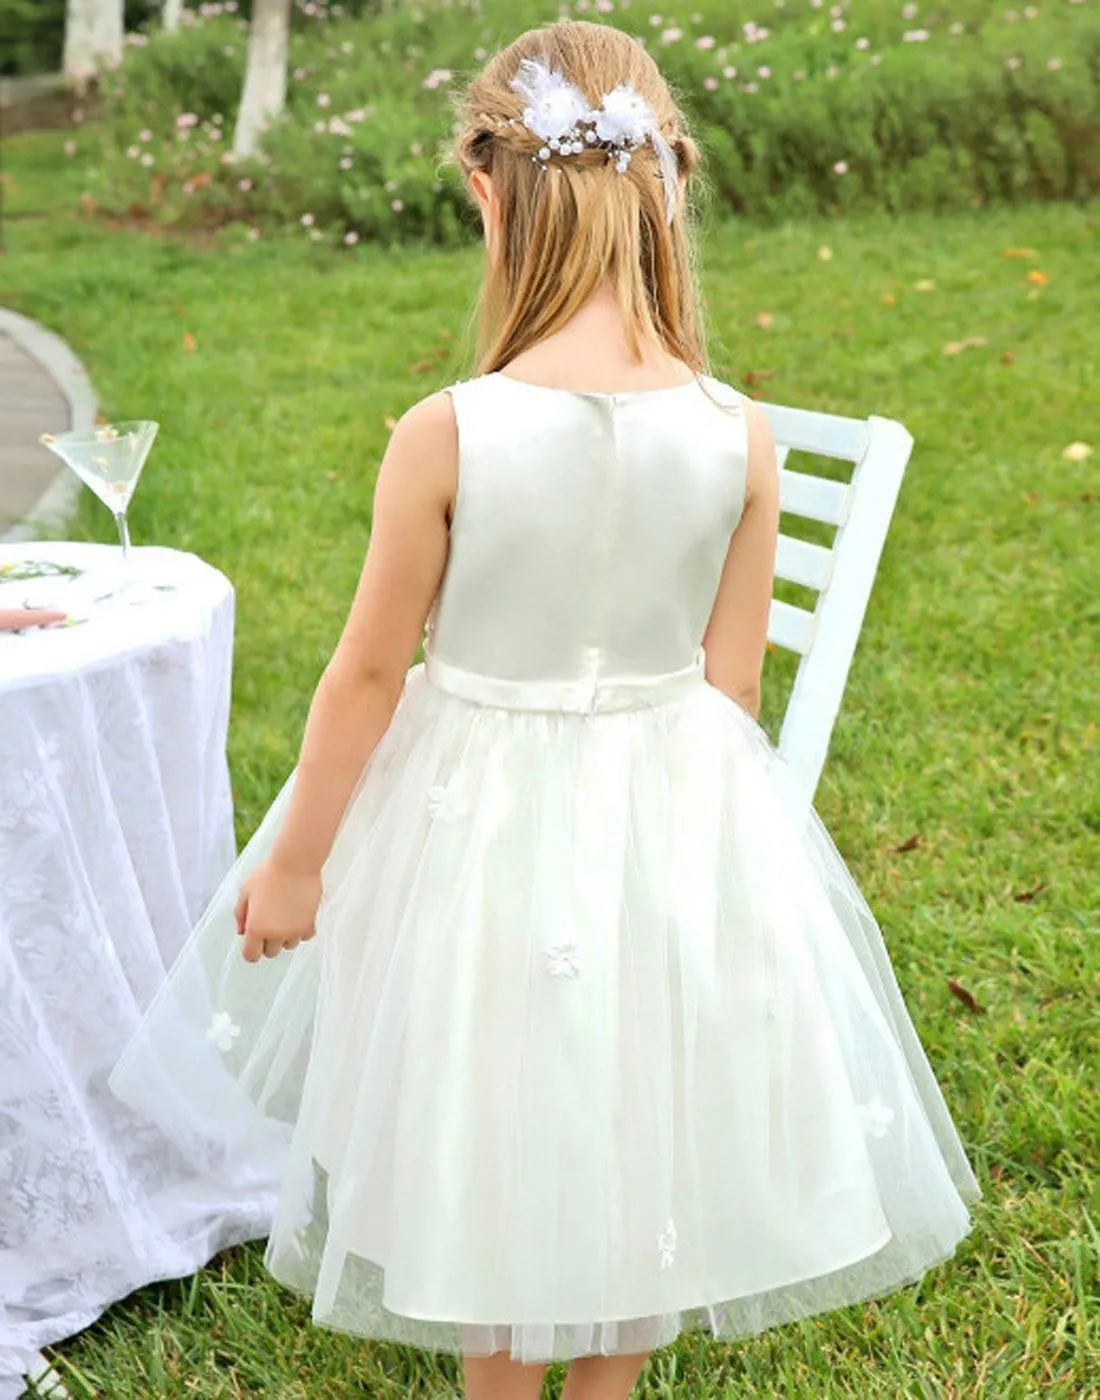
93, 39
170, 15
265, 76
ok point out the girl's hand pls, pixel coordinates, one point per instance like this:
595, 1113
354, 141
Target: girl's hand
276, 909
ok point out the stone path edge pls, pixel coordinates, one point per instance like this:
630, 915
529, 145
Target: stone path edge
56, 504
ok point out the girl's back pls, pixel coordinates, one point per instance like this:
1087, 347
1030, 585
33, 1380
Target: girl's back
590, 529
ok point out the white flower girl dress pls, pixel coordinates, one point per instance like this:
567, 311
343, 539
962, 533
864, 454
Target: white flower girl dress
597, 1040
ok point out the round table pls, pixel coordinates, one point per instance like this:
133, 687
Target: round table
115, 830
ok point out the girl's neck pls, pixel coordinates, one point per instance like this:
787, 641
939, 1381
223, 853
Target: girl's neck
591, 351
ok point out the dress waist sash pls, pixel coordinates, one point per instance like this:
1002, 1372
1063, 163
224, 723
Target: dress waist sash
585, 695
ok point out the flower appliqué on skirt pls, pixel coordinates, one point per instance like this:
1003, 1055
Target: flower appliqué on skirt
875, 1116
447, 803
222, 1031
666, 1246
564, 960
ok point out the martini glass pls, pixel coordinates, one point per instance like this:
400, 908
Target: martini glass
108, 459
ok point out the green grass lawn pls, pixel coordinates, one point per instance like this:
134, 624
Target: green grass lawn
968, 722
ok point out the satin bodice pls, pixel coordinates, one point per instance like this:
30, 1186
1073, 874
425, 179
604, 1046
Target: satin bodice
589, 530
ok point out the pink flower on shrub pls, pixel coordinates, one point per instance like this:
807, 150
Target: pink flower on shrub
70, 148
147, 158
397, 205
186, 119
215, 134
416, 149
436, 78
1030, 12
710, 84
347, 46
145, 134
956, 28
915, 36
253, 235
729, 71
324, 100
840, 167
300, 74
705, 41
832, 71
863, 43
316, 235
764, 72
356, 116
320, 128
345, 162
750, 87
1054, 64
133, 152
671, 35
1012, 62
838, 26
908, 11
351, 238
604, 7
338, 128
244, 185
655, 20
307, 221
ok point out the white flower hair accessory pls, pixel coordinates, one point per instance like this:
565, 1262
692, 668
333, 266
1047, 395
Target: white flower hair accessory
558, 114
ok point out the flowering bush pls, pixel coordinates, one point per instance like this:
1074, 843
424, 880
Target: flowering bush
802, 106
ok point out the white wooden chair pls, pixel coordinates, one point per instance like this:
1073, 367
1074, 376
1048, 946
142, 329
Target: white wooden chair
841, 574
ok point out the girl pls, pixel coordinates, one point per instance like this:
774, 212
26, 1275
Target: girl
597, 1040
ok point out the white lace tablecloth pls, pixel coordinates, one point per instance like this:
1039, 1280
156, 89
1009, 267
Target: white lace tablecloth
115, 829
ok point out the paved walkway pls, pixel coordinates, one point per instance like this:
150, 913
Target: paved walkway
43, 389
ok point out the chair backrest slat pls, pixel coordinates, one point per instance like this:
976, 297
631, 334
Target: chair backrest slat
799, 562
790, 627
842, 575
812, 497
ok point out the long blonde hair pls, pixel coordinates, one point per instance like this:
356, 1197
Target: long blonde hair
567, 228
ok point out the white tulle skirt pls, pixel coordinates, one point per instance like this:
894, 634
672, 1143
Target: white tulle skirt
597, 1041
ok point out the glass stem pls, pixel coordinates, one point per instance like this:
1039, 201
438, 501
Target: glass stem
124, 536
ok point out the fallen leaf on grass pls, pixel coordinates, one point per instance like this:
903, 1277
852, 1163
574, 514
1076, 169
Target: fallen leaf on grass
1038, 276
189, 342
444, 335
910, 844
422, 367
825, 253
765, 320
889, 299
758, 376
1077, 452
1023, 253
1007, 357
971, 342
1026, 896
968, 999
1032, 498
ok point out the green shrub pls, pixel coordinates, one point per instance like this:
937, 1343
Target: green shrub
968, 109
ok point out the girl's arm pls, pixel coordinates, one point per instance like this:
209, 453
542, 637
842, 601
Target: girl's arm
359, 690
737, 633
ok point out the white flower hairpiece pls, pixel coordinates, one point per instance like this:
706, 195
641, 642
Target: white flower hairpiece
558, 114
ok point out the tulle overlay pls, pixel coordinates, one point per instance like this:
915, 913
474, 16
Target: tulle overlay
597, 1041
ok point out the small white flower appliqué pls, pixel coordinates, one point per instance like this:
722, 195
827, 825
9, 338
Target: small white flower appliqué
447, 803
666, 1246
875, 1116
564, 960
222, 1031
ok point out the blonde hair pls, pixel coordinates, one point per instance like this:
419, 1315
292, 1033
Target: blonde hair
566, 228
